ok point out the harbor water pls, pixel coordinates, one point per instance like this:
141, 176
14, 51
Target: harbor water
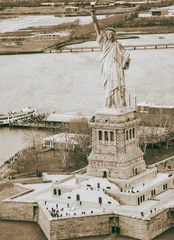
70, 83
23, 22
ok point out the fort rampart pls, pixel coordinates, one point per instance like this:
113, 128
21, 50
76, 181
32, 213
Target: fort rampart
89, 225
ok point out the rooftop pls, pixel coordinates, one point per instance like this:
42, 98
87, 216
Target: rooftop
154, 106
61, 206
64, 117
64, 138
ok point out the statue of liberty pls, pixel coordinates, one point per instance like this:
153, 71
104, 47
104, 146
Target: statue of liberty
114, 60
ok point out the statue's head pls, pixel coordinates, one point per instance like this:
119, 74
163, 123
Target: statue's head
110, 33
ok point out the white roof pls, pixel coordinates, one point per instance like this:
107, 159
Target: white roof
54, 177
64, 137
64, 117
104, 183
153, 105
42, 194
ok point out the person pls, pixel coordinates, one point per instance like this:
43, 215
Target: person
114, 60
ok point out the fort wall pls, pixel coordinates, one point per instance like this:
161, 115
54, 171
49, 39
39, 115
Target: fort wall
133, 227
21, 211
84, 226
172, 216
144, 229
70, 228
159, 223
44, 222
132, 198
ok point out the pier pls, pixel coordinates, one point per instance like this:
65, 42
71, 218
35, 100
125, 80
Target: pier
97, 49
43, 126
89, 49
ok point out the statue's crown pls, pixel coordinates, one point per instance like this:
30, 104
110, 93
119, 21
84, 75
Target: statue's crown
110, 29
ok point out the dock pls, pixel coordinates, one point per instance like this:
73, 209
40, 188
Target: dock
43, 126
97, 49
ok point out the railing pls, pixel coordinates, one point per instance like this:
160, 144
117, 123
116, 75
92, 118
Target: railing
97, 49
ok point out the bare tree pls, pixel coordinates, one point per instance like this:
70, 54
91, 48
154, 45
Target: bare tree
143, 139
169, 134
73, 144
34, 141
65, 146
85, 146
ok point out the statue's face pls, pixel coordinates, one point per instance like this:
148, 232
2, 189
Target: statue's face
110, 35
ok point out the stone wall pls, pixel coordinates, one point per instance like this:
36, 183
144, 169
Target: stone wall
132, 198
159, 223
84, 226
114, 135
70, 228
22, 211
120, 144
44, 221
94, 139
133, 227
172, 216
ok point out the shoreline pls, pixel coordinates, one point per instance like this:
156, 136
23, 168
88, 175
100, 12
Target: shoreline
4, 168
70, 49
80, 34
19, 52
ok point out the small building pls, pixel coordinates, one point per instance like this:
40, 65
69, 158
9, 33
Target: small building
63, 121
158, 115
158, 12
61, 141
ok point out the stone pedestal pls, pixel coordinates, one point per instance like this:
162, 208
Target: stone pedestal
115, 150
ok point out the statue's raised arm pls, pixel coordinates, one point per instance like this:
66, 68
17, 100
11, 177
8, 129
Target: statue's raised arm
96, 25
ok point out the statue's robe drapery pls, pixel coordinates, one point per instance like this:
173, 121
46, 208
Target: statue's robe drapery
114, 59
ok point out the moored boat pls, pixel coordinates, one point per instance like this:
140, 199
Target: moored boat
5, 119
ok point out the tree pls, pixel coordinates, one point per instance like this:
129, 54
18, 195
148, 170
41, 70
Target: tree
83, 136
74, 143
65, 146
169, 134
143, 139
84, 145
28, 159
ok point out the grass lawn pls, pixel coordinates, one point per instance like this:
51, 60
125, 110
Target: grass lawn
49, 161
52, 162
157, 156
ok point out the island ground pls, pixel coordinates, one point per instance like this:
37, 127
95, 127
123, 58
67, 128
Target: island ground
51, 161
41, 39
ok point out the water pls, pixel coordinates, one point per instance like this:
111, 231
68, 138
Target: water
14, 140
138, 39
21, 22
11, 141
70, 82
